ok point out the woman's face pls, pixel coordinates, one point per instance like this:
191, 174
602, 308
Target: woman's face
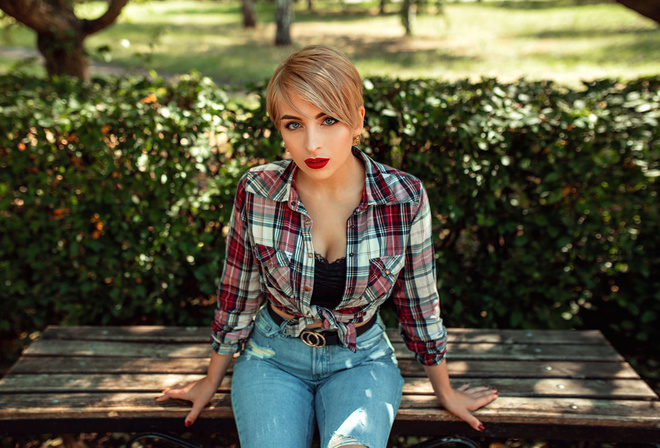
319, 144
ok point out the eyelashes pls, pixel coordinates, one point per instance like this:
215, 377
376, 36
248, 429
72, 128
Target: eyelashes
293, 125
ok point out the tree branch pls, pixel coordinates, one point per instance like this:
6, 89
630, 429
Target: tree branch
42, 17
107, 19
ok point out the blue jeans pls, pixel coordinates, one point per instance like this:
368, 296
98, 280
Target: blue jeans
282, 389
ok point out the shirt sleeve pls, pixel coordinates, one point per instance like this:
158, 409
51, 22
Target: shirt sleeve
239, 294
415, 293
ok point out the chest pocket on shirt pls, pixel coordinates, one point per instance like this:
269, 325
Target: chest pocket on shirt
275, 268
383, 272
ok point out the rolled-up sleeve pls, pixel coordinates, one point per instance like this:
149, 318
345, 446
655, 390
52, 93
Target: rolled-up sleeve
239, 295
416, 295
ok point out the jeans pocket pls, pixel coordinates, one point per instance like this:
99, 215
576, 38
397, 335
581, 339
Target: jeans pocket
372, 337
264, 324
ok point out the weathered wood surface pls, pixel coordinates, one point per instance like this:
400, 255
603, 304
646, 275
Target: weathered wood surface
97, 378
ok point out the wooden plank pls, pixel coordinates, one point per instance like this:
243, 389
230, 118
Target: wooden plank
109, 365
202, 335
520, 410
409, 367
527, 352
557, 411
64, 406
526, 369
548, 387
484, 351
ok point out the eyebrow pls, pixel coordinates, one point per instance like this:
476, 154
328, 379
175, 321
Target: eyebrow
291, 117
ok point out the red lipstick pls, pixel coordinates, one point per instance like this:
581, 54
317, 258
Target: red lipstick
316, 163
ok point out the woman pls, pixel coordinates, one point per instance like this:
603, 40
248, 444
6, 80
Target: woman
316, 244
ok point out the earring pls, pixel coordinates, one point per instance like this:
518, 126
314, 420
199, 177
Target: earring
356, 139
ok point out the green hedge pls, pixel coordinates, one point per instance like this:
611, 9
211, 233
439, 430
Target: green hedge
114, 196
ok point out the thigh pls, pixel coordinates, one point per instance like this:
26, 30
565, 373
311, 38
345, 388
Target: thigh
358, 405
271, 407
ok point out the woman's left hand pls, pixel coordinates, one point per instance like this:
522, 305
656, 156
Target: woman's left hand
464, 400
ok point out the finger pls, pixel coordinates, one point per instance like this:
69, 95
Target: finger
472, 421
194, 413
482, 400
179, 394
481, 391
464, 387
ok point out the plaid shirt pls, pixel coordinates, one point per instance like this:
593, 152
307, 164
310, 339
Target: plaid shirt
389, 253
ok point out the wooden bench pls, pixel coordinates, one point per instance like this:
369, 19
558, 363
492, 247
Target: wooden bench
569, 385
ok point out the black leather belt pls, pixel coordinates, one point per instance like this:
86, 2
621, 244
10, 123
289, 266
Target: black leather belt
323, 337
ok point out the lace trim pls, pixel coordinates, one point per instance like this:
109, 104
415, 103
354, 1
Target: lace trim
321, 259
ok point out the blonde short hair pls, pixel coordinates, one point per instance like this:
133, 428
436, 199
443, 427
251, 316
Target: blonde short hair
321, 76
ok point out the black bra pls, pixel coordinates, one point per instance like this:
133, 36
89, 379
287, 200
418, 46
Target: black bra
329, 282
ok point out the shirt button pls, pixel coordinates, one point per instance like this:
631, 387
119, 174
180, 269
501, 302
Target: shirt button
351, 254
307, 222
387, 271
310, 255
306, 288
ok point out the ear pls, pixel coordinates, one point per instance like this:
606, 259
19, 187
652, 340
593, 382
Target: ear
360, 126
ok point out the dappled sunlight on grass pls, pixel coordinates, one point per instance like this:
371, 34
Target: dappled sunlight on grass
552, 40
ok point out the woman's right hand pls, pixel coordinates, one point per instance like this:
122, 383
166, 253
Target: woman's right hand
199, 393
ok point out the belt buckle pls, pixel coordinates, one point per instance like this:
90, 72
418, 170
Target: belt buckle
312, 339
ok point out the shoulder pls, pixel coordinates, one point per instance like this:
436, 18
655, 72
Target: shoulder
403, 187
267, 180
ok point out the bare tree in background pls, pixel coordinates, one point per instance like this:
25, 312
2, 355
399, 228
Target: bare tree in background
249, 14
60, 33
283, 19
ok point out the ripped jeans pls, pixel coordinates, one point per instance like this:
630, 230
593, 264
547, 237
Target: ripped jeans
282, 390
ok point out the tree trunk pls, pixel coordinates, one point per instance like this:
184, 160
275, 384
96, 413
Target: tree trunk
283, 18
64, 55
381, 9
60, 34
647, 8
310, 5
249, 14
407, 16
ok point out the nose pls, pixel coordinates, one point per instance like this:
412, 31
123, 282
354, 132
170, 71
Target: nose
312, 140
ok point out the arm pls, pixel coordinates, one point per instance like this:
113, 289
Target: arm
462, 401
238, 300
417, 300
200, 392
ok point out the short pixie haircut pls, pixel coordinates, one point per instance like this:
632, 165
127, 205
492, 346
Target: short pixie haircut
322, 77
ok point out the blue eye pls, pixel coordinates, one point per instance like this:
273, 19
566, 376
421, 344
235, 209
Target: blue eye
329, 121
292, 125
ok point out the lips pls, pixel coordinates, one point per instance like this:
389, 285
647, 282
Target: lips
317, 163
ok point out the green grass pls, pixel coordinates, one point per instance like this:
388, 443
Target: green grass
558, 40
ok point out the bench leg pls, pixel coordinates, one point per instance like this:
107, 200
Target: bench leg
177, 441
447, 441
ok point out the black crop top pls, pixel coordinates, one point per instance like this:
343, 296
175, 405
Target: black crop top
329, 282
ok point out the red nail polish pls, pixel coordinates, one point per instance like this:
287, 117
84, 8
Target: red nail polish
482, 428
188, 424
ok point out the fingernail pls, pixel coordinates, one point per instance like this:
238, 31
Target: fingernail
482, 428
188, 424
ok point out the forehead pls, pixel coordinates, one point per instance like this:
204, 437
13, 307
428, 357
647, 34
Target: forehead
299, 108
